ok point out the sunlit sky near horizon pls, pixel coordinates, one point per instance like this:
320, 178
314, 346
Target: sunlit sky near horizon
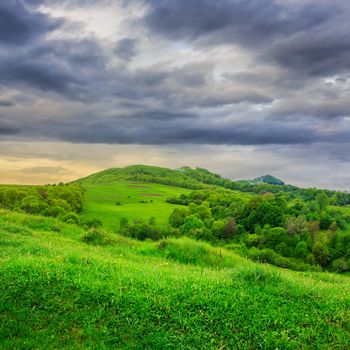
240, 87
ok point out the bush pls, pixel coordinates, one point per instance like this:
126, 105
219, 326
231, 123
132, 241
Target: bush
54, 211
96, 237
264, 255
71, 218
341, 265
92, 223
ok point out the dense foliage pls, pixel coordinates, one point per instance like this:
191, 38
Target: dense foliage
296, 234
59, 201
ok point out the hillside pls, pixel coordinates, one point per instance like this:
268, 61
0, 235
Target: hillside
110, 202
144, 173
200, 178
112, 292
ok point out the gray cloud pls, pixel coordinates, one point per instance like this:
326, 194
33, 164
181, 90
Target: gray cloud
6, 103
253, 22
260, 73
19, 24
312, 39
126, 49
319, 53
7, 129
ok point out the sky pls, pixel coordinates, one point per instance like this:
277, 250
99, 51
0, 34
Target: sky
240, 87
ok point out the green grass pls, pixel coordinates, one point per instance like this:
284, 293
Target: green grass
58, 292
136, 199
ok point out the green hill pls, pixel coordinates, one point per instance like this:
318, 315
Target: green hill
139, 191
66, 288
144, 173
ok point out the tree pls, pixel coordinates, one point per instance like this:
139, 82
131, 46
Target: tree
32, 205
191, 224
296, 225
321, 253
217, 228
230, 229
301, 250
322, 201
262, 211
314, 228
177, 217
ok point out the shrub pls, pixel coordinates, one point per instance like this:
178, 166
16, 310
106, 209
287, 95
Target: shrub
341, 265
71, 218
92, 223
54, 211
96, 237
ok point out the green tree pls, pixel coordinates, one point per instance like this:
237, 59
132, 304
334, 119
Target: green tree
321, 253
177, 217
322, 201
191, 224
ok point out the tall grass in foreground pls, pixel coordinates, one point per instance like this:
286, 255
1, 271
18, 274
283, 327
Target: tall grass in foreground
58, 292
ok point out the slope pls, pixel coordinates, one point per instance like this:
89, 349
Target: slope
58, 292
129, 199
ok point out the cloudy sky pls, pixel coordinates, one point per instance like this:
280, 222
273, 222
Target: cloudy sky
241, 87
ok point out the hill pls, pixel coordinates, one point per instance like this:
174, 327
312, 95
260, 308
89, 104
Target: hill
63, 287
144, 173
269, 179
200, 178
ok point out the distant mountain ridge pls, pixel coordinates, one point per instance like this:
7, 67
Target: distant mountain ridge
269, 179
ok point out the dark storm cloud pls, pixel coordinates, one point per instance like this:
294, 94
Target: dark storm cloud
318, 54
67, 67
7, 129
19, 24
171, 102
38, 75
162, 128
252, 22
312, 39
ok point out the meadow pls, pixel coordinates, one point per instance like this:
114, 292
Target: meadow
118, 293
110, 202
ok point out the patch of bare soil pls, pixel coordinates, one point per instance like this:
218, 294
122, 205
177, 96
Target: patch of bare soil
151, 194
139, 186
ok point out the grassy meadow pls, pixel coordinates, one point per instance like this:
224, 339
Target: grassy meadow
130, 199
58, 292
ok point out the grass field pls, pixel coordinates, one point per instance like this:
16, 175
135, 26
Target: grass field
136, 200
57, 292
